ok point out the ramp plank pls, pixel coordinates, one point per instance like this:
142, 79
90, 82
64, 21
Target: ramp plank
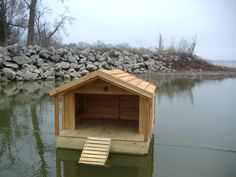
96, 151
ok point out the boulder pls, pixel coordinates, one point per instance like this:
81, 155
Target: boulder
39, 62
48, 73
10, 65
34, 58
9, 73
85, 52
14, 50
55, 58
45, 54
59, 52
84, 72
20, 60
29, 76
91, 67
91, 58
64, 65
83, 60
7, 58
72, 59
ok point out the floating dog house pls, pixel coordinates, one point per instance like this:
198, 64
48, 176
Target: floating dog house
112, 108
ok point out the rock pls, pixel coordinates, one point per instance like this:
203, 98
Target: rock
85, 52
137, 71
105, 65
117, 63
34, 58
48, 73
14, 50
145, 57
59, 74
119, 67
9, 73
59, 52
110, 61
74, 66
116, 53
67, 77
135, 66
29, 67
45, 54
64, 65
82, 61
72, 60
91, 67
55, 58
84, 72
39, 62
91, 58
7, 58
10, 65
30, 52
125, 52
101, 58
20, 60
1, 62
29, 76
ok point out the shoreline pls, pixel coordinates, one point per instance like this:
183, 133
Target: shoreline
33, 63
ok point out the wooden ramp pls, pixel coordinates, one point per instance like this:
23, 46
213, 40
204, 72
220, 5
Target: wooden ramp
95, 151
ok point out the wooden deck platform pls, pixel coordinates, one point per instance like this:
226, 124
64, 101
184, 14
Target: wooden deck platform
124, 136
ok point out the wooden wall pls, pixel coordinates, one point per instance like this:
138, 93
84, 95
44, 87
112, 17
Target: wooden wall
100, 106
124, 107
129, 107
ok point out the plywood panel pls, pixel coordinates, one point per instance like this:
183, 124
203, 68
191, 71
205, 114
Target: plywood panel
99, 86
129, 107
69, 111
144, 117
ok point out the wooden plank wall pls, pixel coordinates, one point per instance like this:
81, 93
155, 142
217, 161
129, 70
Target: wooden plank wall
100, 106
125, 107
69, 111
129, 107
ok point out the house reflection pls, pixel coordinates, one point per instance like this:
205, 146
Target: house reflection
117, 165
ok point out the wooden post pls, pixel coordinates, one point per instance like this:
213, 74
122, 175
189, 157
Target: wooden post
63, 111
144, 117
56, 115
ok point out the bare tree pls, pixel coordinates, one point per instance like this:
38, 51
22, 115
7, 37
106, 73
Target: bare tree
12, 21
31, 22
46, 34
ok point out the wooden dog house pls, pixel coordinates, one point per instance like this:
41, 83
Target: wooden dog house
105, 104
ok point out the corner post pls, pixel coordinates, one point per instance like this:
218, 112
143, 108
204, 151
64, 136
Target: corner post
56, 115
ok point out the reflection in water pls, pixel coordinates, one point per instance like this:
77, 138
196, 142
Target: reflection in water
27, 143
180, 86
117, 165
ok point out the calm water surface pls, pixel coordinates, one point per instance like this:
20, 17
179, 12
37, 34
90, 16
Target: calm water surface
194, 134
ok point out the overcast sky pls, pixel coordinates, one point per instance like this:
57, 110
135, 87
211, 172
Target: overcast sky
138, 22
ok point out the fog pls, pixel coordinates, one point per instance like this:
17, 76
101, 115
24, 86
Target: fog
138, 23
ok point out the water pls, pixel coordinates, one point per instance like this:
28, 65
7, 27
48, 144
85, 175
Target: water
194, 134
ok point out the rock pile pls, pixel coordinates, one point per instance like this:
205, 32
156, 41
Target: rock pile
34, 63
